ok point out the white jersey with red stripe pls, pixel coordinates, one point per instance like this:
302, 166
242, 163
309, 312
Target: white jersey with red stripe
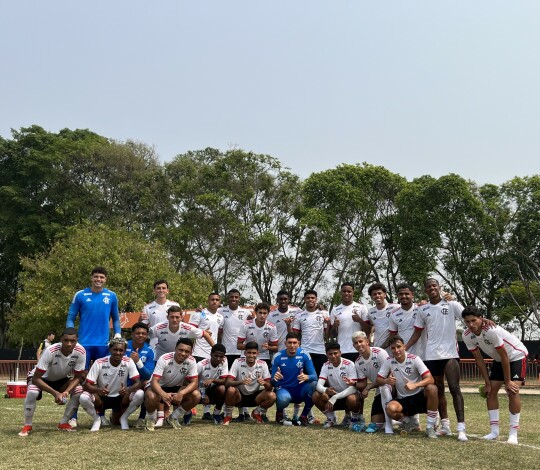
206, 321
206, 370
278, 318
369, 368
312, 326
492, 339
402, 323
439, 321
156, 313
166, 339
172, 373
56, 366
232, 323
380, 319
241, 371
260, 334
412, 369
335, 375
347, 326
114, 378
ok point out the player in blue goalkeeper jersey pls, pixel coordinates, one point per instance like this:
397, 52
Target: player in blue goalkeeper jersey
294, 378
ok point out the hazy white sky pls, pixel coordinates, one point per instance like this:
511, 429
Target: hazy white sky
416, 86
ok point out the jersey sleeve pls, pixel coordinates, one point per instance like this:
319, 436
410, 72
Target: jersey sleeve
420, 321
93, 375
392, 325
234, 370
266, 372
224, 370
133, 372
192, 370
242, 333
333, 316
160, 365
147, 369
45, 361
80, 365
152, 332
457, 309
194, 332
73, 311
469, 342
296, 324
324, 372
351, 371
384, 371
195, 319
115, 315
273, 338
420, 366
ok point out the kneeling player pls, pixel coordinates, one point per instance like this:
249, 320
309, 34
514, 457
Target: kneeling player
414, 385
106, 386
166, 385
333, 389
58, 372
509, 367
246, 377
212, 375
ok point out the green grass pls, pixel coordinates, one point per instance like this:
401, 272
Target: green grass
247, 445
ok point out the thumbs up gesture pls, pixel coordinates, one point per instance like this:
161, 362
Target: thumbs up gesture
278, 375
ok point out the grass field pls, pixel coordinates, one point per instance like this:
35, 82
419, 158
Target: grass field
247, 445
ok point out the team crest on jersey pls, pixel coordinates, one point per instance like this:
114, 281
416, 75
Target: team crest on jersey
106, 300
487, 342
183, 370
375, 365
408, 370
300, 364
444, 311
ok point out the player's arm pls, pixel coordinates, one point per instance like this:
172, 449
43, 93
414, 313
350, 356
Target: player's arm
192, 385
272, 346
145, 368
344, 393
232, 382
38, 381
72, 312
321, 386
115, 317
414, 338
481, 364
427, 379
309, 370
240, 344
208, 337
510, 386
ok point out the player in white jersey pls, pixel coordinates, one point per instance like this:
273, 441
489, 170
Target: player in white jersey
156, 312
168, 333
106, 386
438, 318
377, 318
261, 331
58, 372
509, 367
367, 364
346, 319
212, 375
246, 378
283, 317
416, 391
334, 391
402, 320
312, 323
209, 319
46, 343
167, 384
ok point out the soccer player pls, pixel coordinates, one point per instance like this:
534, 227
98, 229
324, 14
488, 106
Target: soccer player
209, 319
213, 373
378, 317
156, 312
58, 372
143, 356
333, 389
416, 392
509, 367
438, 318
346, 319
246, 377
283, 317
167, 384
47, 342
106, 386
368, 364
293, 376
261, 332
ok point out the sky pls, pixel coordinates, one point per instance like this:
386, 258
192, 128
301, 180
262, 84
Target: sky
419, 87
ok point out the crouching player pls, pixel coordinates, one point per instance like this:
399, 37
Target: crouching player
246, 377
167, 384
212, 375
333, 389
509, 367
414, 385
106, 386
294, 377
58, 372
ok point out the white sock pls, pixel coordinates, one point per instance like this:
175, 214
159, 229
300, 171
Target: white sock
88, 406
460, 427
136, 401
178, 413
70, 407
296, 410
330, 415
152, 416
445, 423
229, 410
493, 424
514, 424
245, 409
30, 403
207, 409
386, 397
431, 418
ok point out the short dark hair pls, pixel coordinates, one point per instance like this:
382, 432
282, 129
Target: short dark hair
70, 331
218, 347
311, 291
292, 335
471, 310
394, 339
262, 305
185, 341
283, 292
234, 291
160, 281
347, 284
430, 279
376, 286
251, 345
139, 324
51, 332
214, 293
404, 285
332, 345
174, 308
99, 270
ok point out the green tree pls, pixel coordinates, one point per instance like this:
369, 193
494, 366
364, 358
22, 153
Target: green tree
49, 281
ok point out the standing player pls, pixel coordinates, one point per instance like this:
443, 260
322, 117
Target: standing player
333, 389
438, 318
156, 312
261, 332
509, 368
283, 317
378, 317
246, 377
167, 384
46, 343
58, 372
212, 375
293, 376
209, 319
414, 385
106, 386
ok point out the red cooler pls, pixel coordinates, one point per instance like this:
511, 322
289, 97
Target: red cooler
16, 389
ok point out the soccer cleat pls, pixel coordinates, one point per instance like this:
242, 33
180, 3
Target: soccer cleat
187, 418
73, 422
25, 431
257, 417
287, 422
247, 417
371, 428
105, 421
407, 427
462, 436
357, 427
174, 423
239, 419
140, 424
207, 417
150, 425
265, 418
329, 423
430, 433
65, 427
346, 421
491, 436
444, 431
217, 418
313, 420
226, 421
511, 440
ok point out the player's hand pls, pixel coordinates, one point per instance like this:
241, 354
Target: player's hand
199, 308
489, 323
329, 407
511, 388
302, 378
278, 375
356, 317
261, 381
247, 381
447, 296
487, 388
330, 391
410, 386
144, 316
336, 323
104, 391
135, 356
391, 380
422, 302
349, 381
365, 392
166, 398
178, 397
60, 397
122, 392
265, 346
206, 383
327, 320
288, 320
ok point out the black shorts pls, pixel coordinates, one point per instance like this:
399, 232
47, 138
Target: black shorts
199, 358
437, 367
376, 407
341, 404
111, 403
211, 394
518, 371
414, 404
57, 385
350, 356
249, 400
231, 358
318, 361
